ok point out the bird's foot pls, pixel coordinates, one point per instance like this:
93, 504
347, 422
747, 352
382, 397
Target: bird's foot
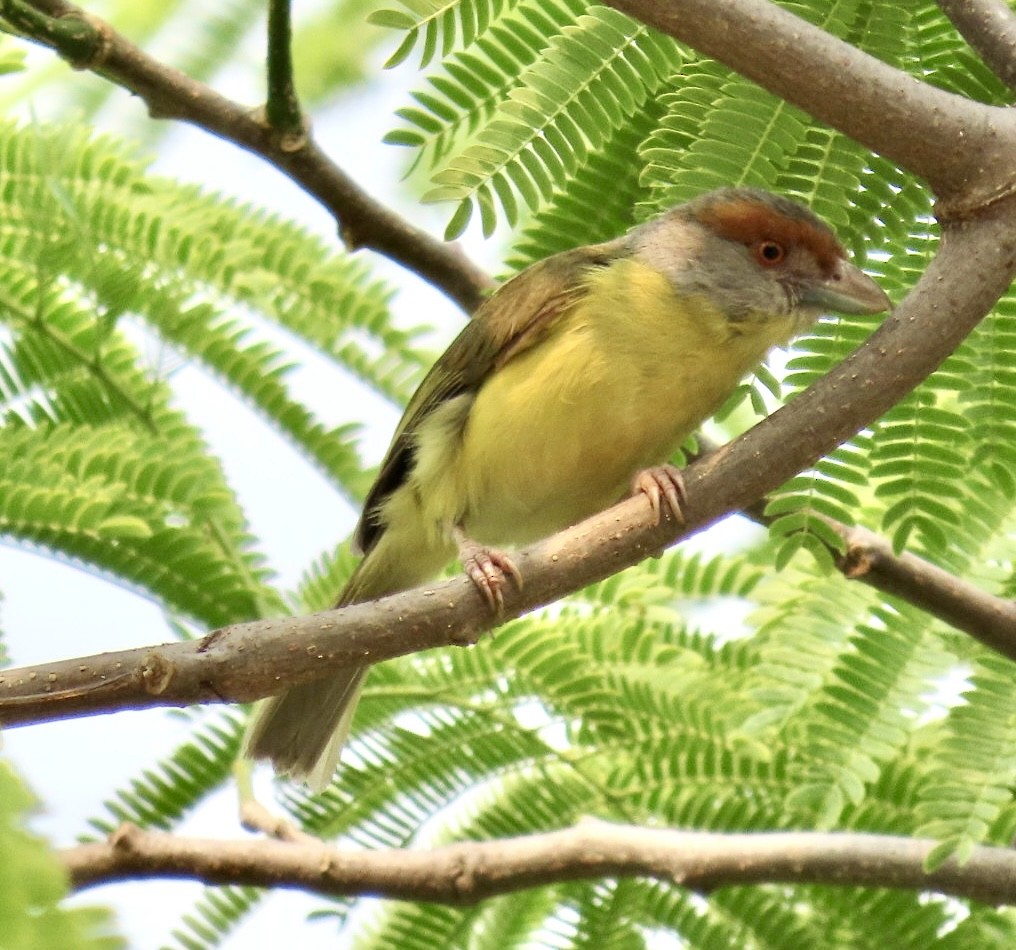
662, 485
488, 568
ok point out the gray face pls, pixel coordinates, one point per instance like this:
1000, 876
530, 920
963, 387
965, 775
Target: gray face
758, 256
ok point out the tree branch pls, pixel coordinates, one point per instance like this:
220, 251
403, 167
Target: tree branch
974, 266
469, 872
869, 558
908, 121
989, 26
87, 42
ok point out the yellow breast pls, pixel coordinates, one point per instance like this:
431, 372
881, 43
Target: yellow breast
557, 433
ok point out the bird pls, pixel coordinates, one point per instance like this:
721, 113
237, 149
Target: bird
570, 388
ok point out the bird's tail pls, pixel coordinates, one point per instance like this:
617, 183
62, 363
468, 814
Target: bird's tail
303, 730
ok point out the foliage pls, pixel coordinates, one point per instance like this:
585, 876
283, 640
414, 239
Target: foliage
750, 689
32, 883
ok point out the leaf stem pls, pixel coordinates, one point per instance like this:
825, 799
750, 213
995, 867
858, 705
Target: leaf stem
91, 362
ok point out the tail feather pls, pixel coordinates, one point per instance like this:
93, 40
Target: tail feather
298, 730
303, 730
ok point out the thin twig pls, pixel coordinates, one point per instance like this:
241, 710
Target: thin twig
169, 94
469, 872
869, 558
282, 108
255, 817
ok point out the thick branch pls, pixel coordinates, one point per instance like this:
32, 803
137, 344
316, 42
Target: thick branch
964, 149
470, 872
989, 26
974, 266
169, 94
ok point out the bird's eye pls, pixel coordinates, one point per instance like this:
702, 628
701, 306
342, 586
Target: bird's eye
770, 252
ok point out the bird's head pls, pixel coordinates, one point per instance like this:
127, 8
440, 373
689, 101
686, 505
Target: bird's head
757, 256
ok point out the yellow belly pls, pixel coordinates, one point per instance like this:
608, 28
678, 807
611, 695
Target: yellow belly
554, 438
557, 434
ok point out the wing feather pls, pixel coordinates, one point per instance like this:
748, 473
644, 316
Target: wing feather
516, 317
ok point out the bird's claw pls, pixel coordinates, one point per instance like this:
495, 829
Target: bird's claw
488, 568
661, 484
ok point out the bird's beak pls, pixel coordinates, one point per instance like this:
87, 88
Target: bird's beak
847, 290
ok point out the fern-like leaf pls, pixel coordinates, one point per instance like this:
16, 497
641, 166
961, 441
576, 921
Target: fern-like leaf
440, 25
973, 770
597, 74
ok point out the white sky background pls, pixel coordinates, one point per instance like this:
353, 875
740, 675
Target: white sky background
52, 611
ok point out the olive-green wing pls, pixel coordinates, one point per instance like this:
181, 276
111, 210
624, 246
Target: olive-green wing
508, 323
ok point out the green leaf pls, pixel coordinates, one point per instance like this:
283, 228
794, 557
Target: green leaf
459, 221
393, 19
33, 883
125, 526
